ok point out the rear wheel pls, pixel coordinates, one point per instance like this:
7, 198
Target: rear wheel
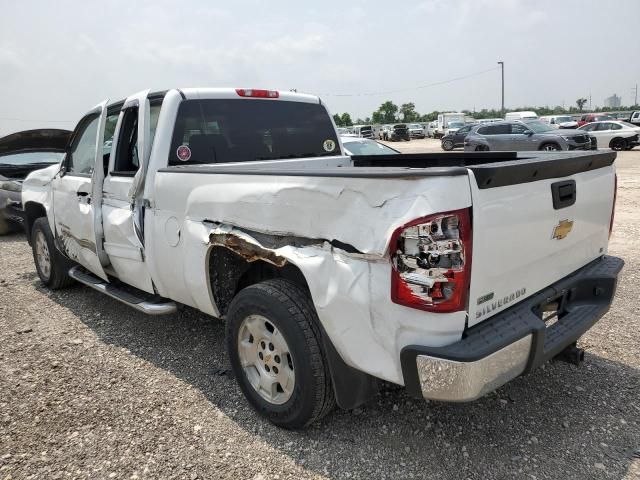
550, 147
51, 265
275, 349
447, 145
618, 144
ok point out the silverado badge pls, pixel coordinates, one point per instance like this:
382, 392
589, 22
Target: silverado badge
562, 229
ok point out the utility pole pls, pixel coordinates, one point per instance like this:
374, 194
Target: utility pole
502, 67
635, 95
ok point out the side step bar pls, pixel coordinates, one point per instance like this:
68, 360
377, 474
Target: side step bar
150, 306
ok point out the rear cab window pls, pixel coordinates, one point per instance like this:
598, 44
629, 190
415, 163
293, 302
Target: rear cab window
244, 130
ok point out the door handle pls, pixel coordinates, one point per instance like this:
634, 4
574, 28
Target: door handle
563, 194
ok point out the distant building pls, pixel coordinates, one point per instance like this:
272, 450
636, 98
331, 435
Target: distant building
613, 101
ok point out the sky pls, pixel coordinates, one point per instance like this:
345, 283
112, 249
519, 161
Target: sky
59, 59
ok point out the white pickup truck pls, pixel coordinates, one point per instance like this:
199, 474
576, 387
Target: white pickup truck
450, 274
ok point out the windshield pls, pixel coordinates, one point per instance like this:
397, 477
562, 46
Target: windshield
627, 124
366, 147
414, 125
563, 119
31, 158
539, 127
456, 124
243, 130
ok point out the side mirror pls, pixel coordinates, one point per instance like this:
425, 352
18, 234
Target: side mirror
529, 132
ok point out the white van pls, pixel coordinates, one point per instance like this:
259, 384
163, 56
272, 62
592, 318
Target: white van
520, 116
560, 121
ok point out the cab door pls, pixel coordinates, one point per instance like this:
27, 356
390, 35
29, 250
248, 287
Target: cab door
123, 202
77, 195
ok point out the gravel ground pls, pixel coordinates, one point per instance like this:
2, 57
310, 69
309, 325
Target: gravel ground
92, 389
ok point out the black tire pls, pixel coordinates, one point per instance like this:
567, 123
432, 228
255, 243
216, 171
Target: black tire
290, 310
447, 145
550, 147
618, 144
55, 277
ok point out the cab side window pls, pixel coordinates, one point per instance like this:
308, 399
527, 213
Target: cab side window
82, 157
126, 161
518, 129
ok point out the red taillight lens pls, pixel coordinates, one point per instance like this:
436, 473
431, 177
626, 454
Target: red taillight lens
431, 262
613, 208
252, 92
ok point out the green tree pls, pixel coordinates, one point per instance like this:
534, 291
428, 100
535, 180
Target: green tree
408, 111
581, 102
337, 119
346, 120
386, 113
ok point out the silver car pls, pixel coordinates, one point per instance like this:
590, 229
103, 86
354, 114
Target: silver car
519, 135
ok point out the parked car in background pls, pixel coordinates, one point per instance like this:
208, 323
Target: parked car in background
443, 121
489, 120
381, 132
593, 117
560, 121
364, 131
453, 127
521, 116
613, 134
398, 132
20, 154
634, 118
520, 135
364, 146
416, 130
431, 129
456, 139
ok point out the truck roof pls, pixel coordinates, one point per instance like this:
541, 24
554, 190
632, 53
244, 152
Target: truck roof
224, 93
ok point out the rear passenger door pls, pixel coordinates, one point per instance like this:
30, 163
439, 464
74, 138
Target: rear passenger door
123, 202
499, 137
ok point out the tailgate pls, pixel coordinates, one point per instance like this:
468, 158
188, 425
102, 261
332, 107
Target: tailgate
523, 240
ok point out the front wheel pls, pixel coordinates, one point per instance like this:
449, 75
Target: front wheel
482, 148
51, 265
447, 145
550, 147
275, 349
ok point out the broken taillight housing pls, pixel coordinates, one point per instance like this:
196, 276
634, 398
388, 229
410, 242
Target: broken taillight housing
431, 262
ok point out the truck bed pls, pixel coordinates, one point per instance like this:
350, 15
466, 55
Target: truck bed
491, 169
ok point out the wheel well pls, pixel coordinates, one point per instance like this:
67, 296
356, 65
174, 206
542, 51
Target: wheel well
549, 143
230, 272
32, 211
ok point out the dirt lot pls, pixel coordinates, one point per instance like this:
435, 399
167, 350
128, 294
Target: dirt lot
92, 389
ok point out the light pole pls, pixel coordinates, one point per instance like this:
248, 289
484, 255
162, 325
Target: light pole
502, 66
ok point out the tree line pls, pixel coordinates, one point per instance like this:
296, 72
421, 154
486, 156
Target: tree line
389, 112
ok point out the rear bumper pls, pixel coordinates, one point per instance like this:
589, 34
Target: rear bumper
512, 342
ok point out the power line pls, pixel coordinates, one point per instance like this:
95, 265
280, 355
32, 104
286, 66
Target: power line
419, 87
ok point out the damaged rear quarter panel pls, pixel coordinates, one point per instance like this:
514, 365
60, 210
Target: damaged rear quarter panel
351, 291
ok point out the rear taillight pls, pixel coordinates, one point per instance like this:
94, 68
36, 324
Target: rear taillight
613, 208
252, 92
431, 262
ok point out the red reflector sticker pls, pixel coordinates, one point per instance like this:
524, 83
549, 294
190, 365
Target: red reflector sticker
183, 153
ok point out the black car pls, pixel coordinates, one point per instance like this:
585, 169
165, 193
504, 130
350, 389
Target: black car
456, 139
20, 154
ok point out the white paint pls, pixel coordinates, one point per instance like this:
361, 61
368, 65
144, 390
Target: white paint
513, 246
